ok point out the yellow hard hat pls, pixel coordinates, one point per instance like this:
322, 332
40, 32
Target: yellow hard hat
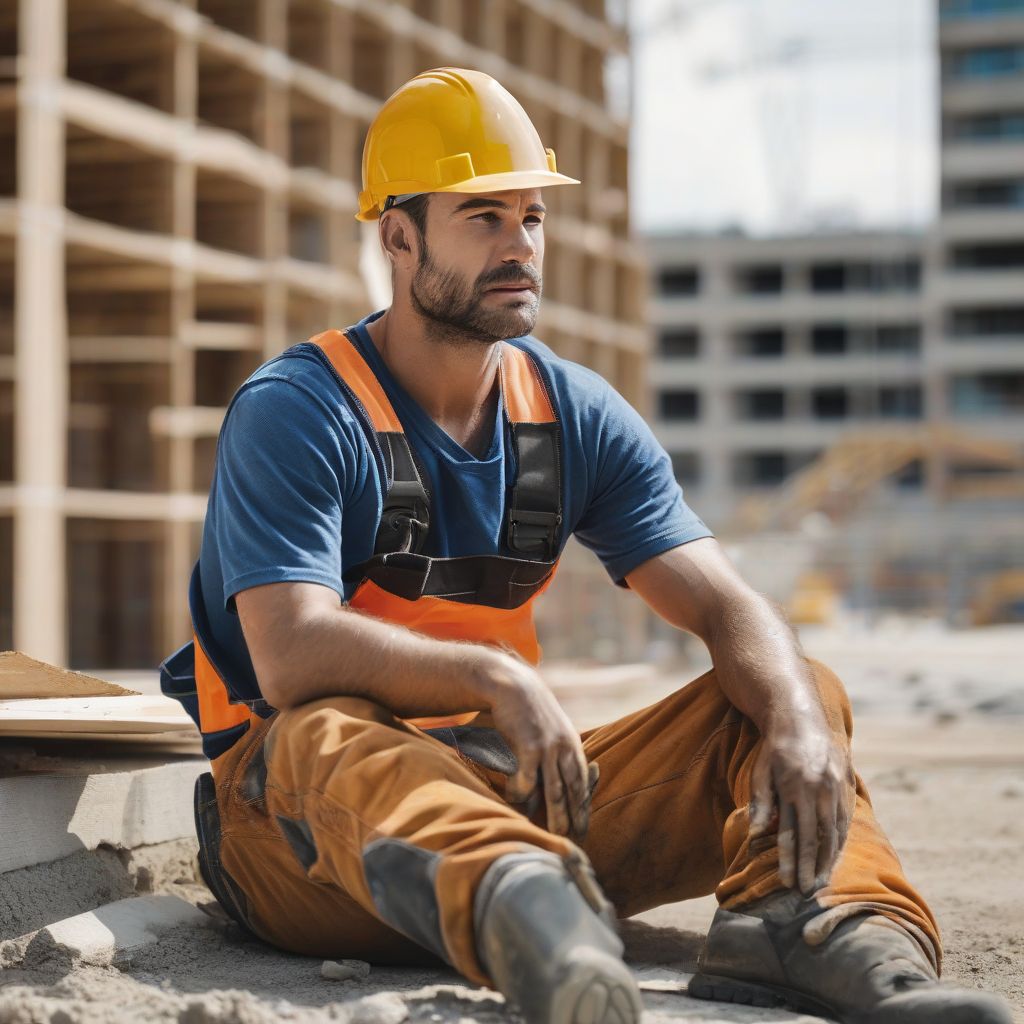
452, 130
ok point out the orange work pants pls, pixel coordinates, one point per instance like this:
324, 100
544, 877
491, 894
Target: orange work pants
304, 792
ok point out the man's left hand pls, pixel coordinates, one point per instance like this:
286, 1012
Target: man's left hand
804, 775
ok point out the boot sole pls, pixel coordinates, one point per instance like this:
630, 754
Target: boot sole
598, 989
732, 990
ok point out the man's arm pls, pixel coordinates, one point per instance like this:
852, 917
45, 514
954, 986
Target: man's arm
803, 770
305, 645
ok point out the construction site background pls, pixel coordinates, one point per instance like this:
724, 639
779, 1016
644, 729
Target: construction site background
839, 376
178, 180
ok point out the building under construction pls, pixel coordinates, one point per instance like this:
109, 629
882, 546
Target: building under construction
178, 180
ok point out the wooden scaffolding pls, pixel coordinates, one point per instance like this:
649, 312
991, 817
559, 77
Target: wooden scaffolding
178, 180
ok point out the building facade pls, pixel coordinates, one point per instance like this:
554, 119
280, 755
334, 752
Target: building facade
178, 180
767, 350
977, 288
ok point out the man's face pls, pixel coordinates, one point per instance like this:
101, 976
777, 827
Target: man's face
479, 274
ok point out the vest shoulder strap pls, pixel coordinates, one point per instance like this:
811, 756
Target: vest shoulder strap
525, 396
405, 518
535, 508
523, 392
356, 374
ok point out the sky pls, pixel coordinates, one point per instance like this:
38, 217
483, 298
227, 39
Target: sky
783, 115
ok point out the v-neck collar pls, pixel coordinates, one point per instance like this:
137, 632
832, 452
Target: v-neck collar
415, 418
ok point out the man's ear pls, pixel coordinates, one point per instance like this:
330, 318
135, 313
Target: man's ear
399, 239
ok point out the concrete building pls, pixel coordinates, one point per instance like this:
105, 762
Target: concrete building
768, 349
178, 180
977, 289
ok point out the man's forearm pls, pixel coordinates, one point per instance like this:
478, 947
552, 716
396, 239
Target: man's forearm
313, 652
760, 666
802, 781
305, 646
758, 661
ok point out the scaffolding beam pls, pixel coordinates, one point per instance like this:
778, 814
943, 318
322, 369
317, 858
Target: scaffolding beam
40, 336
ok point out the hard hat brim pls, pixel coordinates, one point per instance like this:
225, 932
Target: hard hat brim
501, 182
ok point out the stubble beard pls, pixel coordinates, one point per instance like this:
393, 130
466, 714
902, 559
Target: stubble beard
455, 312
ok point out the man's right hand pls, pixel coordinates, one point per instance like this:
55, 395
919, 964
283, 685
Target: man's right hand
547, 747
305, 646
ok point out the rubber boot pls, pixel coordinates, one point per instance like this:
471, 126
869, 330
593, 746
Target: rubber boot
547, 938
869, 970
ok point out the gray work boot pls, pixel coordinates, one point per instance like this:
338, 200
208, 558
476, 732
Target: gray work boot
547, 937
869, 970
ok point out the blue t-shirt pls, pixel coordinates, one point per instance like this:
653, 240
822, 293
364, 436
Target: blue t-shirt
298, 486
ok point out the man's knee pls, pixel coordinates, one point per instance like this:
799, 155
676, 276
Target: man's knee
331, 720
834, 698
342, 727
705, 692
338, 707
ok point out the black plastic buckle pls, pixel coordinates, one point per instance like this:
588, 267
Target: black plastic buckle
534, 533
405, 518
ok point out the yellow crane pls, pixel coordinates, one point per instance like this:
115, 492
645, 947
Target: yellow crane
843, 477
853, 468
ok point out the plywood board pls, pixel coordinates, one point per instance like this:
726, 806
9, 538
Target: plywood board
24, 677
164, 743
134, 713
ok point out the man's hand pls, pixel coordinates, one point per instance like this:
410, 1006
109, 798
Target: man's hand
305, 645
547, 747
803, 775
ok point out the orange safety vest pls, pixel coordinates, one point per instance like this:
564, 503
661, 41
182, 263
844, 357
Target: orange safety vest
482, 598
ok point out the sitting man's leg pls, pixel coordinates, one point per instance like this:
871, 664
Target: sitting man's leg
348, 833
670, 821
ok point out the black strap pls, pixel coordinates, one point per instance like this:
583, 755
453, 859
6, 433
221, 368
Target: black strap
534, 519
491, 580
535, 510
405, 518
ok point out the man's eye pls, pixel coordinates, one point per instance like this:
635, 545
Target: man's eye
534, 220
490, 217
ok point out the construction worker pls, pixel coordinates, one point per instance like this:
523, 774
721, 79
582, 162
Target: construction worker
391, 778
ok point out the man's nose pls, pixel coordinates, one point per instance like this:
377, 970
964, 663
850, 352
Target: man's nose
521, 247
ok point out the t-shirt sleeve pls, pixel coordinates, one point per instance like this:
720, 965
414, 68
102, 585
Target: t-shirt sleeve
277, 497
636, 508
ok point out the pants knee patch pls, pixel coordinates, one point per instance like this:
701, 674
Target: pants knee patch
224, 888
401, 878
485, 746
300, 839
253, 786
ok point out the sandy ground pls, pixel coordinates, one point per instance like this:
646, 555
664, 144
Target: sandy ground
939, 741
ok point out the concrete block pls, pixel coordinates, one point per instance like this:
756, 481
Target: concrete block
112, 932
46, 817
33, 897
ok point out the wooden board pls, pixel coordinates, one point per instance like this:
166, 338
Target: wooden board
24, 677
72, 715
103, 743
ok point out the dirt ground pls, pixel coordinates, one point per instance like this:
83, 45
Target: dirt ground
938, 740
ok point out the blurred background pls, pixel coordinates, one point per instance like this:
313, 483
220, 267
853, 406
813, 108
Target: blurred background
798, 249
